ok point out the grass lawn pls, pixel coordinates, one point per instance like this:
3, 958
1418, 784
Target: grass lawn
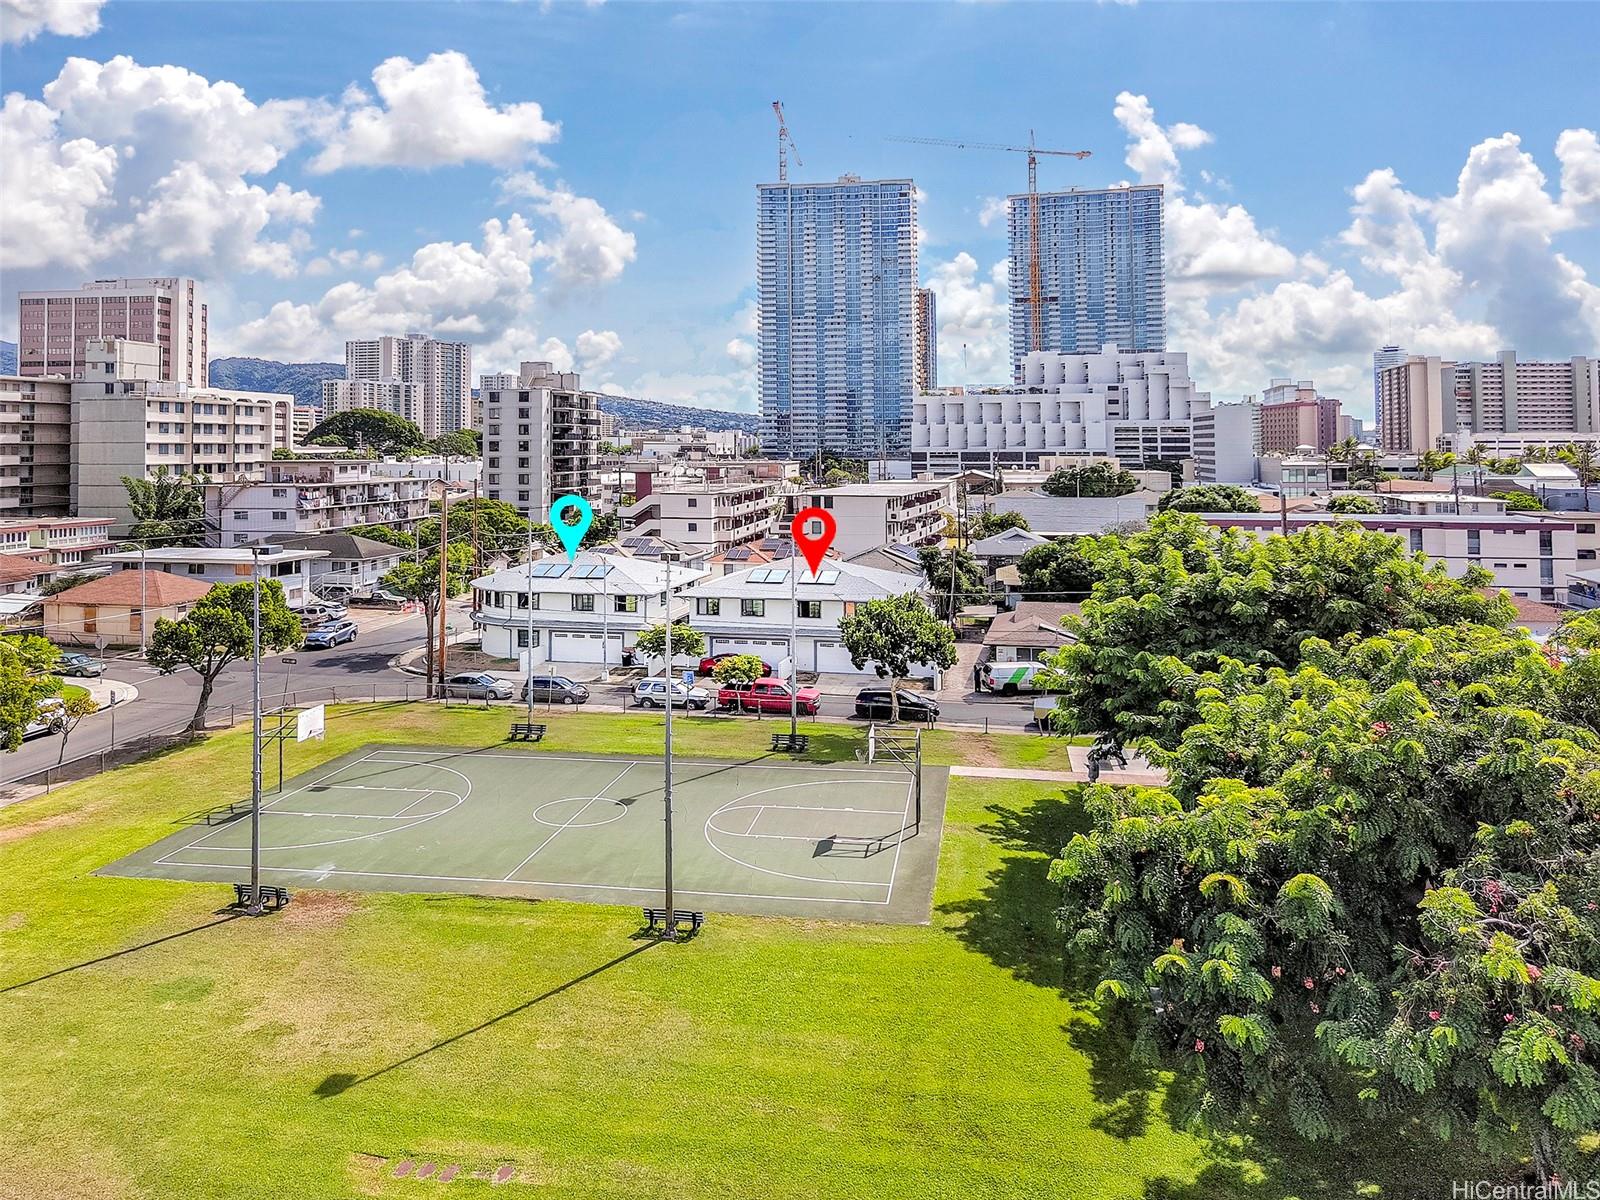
155, 1049
69, 690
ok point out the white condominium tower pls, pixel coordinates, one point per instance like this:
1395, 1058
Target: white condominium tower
836, 272
56, 327
541, 438
442, 369
1102, 279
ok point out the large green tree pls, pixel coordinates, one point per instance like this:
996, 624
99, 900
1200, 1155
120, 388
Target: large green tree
1350, 503
1519, 501
384, 533
458, 443
687, 642
26, 663
1367, 896
1209, 497
1187, 592
1059, 570
990, 523
967, 579
500, 528
1097, 479
419, 581
894, 635
167, 509
371, 429
218, 631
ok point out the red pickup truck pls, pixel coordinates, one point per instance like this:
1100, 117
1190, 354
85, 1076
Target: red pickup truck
768, 695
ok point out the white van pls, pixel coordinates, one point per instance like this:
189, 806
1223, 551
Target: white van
1011, 677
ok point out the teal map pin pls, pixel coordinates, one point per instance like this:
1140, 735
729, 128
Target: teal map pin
571, 534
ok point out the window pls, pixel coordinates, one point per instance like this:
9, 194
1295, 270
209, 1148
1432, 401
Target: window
1474, 542
625, 604
522, 639
708, 608
197, 569
752, 608
811, 610
1416, 539
239, 514
583, 603
280, 493
693, 503
694, 526
280, 516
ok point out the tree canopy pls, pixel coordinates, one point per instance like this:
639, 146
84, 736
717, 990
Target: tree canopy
736, 668
1519, 501
167, 509
419, 581
502, 529
1183, 595
217, 631
458, 443
990, 523
969, 580
1367, 895
1350, 503
371, 429
384, 533
1059, 570
1097, 479
687, 642
894, 635
26, 663
1209, 497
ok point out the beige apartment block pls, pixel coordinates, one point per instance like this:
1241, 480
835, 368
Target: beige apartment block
1415, 401
56, 327
312, 495
541, 438
708, 514
35, 446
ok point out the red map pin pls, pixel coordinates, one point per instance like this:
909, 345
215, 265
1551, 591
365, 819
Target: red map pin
813, 546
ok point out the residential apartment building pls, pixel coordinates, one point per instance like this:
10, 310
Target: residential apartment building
1529, 556
1507, 396
210, 565
541, 439
588, 610
1227, 442
712, 513
35, 446
34, 552
305, 419
441, 370
836, 279
1102, 276
1416, 403
312, 495
56, 327
385, 395
354, 566
1294, 415
128, 421
870, 515
1132, 406
1383, 358
750, 611
925, 363
1296, 475
1508, 445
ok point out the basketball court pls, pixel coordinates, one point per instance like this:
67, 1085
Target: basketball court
770, 836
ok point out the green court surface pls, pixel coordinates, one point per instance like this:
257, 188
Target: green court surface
771, 837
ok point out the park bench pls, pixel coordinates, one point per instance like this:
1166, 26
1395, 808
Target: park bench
272, 898
794, 743
526, 731
657, 917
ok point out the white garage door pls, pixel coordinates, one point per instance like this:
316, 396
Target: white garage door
767, 649
583, 648
833, 658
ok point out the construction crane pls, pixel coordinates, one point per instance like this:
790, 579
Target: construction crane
785, 144
1035, 275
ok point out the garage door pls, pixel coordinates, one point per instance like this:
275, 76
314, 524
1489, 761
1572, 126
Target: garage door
583, 648
767, 649
833, 658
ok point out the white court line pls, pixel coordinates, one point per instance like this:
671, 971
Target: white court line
754, 817
416, 802
264, 807
905, 819
540, 755
318, 873
707, 830
567, 824
286, 812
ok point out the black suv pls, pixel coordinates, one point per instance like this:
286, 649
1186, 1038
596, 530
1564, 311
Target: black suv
555, 689
874, 704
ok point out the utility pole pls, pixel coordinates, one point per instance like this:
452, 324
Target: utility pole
444, 570
528, 686
477, 564
144, 609
254, 907
794, 647
672, 913
605, 620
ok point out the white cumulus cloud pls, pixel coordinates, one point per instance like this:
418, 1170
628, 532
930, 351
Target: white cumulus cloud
584, 245
597, 347
24, 20
974, 321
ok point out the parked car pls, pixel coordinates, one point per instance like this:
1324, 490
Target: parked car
708, 664
73, 663
876, 704
769, 695
652, 693
324, 637
318, 611
555, 689
478, 685
47, 720
382, 598
1009, 678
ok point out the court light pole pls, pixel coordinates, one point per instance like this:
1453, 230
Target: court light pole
254, 908
794, 647
528, 686
672, 918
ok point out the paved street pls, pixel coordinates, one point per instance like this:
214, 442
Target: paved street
363, 666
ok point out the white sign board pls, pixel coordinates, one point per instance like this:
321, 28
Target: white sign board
308, 723
785, 668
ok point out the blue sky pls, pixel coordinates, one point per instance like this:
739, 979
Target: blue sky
1337, 175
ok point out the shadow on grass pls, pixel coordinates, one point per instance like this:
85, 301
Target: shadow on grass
120, 953
340, 1082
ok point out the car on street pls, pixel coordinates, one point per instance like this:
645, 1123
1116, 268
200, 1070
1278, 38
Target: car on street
478, 685
1009, 678
876, 704
555, 689
652, 693
73, 663
324, 637
769, 695
708, 664
319, 611
382, 598
48, 719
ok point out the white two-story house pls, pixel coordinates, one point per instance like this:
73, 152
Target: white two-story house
749, 611
588, 610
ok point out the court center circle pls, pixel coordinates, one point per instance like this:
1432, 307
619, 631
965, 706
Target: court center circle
579, 812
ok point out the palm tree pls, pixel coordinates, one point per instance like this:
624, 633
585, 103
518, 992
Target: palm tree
167, 509
1584, 462
1344, 451
1476, 457
1434, 460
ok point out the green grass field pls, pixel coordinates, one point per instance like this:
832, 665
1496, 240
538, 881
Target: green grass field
154, 1049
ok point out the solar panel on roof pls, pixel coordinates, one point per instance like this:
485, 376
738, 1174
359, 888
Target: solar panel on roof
549, 570
827, 577
592, 571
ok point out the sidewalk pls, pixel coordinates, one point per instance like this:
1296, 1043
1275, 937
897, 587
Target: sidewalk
106, 692
1137, 773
